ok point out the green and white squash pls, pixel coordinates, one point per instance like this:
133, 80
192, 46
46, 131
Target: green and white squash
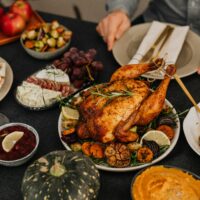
61, 175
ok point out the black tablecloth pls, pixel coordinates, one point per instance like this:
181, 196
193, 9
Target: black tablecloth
113, 185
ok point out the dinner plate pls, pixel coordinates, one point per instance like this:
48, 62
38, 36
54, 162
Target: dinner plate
8, 80
127, 45
191, 128
106, 168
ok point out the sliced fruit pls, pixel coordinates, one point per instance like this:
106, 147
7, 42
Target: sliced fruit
11, 139
134, 129
158, 136
70, 113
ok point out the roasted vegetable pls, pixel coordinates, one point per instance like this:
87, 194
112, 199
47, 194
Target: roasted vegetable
60, 42
68, 123
51, 42
166, 120
46, 37
169, 131
144, 155
61, 175
68, 131
86, 148
76, 146
134, 146
155, 148
29, 44
54, 24
118, 155
97, 150
31, 35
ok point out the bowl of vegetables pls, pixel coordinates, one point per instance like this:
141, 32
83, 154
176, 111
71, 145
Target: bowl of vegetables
46, 41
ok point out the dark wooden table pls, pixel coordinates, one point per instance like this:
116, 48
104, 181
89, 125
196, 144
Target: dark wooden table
115, 186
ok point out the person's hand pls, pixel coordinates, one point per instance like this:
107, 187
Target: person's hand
113, 26
198, 70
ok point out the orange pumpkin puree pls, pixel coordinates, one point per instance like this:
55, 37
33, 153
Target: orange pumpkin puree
162, 183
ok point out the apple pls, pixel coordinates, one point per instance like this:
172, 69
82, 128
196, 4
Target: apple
12, 24
1, 14
1, 11
22, 8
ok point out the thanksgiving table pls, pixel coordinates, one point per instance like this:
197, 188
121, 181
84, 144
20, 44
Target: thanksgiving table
67, 109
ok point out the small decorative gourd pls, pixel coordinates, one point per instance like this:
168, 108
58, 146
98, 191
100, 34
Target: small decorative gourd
61, 175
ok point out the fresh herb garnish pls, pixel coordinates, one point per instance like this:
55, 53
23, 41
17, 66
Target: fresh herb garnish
99, 161
113, 94
134, 161
163, 149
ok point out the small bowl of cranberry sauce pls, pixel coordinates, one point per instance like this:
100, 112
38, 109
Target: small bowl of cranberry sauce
18, 143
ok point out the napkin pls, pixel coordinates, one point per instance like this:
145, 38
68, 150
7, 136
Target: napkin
171, 48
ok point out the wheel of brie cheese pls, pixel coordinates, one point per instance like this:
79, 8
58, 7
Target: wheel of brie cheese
44, 88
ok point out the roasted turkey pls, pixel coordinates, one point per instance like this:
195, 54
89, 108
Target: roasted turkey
109, 110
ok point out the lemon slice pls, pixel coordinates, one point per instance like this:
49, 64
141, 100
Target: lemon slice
11, 139
158, 136
70, 113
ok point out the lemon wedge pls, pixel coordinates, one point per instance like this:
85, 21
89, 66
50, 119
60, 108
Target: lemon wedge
11, 139
70, 113
157, 136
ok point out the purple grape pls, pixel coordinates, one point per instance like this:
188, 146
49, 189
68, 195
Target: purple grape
77, 72
67, 54
89, 57
78, 83
63, 66
92, 52
81, 61
72, 78
97, 65
56, 62
82, 53
74, 57
67, 60
73, 50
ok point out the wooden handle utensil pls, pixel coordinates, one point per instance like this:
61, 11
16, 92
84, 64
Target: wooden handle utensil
179, 81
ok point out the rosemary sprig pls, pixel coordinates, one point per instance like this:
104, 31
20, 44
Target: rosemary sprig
111, 95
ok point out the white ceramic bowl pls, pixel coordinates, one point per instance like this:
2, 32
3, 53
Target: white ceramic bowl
12, 163
46, 55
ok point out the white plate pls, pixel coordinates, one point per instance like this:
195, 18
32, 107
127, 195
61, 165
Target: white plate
8, 80
127, 45
191, 128
101, 167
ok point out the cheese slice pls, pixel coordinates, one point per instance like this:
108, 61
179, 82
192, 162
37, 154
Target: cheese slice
30, 95
56, 75
33, 95
51, 96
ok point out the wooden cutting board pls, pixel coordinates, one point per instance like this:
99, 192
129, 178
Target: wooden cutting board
35, 20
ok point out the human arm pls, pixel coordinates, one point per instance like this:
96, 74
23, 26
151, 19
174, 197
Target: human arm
117, 21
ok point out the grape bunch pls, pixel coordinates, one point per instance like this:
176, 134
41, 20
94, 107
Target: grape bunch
79, 65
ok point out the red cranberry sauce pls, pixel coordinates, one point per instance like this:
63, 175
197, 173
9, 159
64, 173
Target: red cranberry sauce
22, 148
